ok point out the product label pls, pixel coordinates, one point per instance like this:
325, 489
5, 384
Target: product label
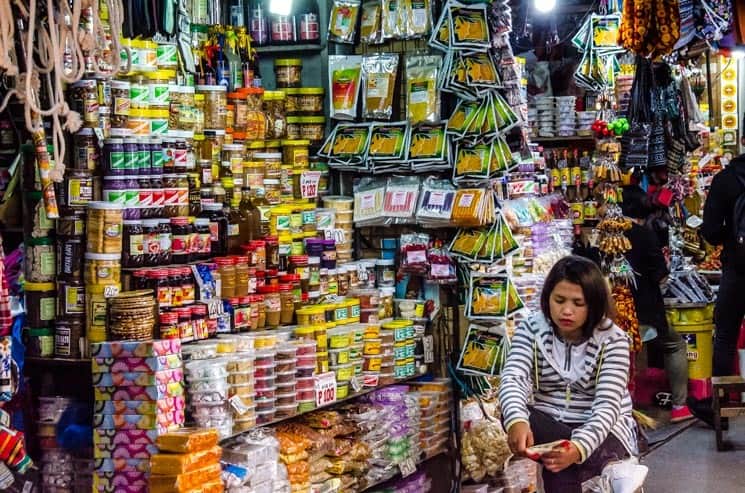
309, 184
158, 197
234, 230
165, 296
258, 27
416, 257
180, 244
188, 294
242, 317
145, 198
131, 160
186, 331
282, 28
180, 158
325, 388
170, 196
204, 242
157, 159
164, 240
47, 308
309, 27
151, 244
182, 197
85, 157
121, 106
377, 85
159, 94
143, 159
139, 94
214, 231
136, 245
116, 160
166, 55
62, 342
74, 299
158, 127
419, 93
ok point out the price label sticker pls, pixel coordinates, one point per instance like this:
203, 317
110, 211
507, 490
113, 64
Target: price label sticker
110, 291
214, 307
309, 184
325, 387
356, 384
407, 467
238, 406
428, 345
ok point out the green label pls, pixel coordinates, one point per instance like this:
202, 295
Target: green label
131, 198
48, 263
157, 159
116, 160
139, 94
143, 158
283, 223
355, 311
130, 160
159, 94
166, 55
158, 127
309, 217
47, 308
115, 196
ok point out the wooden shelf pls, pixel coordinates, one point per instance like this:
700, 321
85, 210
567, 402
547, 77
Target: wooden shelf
37, 361
306, 48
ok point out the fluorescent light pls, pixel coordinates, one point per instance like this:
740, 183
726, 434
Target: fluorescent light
738, 53
280, 7
544, 6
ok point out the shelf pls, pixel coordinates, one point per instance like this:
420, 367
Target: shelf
11, 229
307, 48
332, 404
57, 361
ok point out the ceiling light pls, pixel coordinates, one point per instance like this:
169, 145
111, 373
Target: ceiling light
544, 6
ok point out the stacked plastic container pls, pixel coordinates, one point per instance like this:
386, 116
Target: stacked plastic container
250, 464
207, 384
138, 391
56, 464
285, 380
265, 385
307, 360
435, 402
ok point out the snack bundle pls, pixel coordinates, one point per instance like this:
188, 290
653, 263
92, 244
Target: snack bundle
188, 461
139, 395
251, 463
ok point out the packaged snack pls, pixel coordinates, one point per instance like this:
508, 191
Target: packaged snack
415, 18
379, 84
400, 197
181, 463
483, 352
388, 142
185, 482
370, 26
427, 143
468, 26
422, 98
187, 440
345, 73
343, 20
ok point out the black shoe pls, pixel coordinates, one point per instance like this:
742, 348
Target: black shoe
703, 410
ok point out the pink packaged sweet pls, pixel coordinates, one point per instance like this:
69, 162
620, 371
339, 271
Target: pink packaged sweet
119, 482
138, 378
136, 349
124, 437
115, 465
161, 421
136, 364
139, 407
139, 393
129, 451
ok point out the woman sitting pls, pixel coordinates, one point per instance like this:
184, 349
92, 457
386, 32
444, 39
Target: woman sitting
565, 381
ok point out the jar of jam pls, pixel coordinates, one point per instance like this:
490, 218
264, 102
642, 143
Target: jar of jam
113, 157
202, 247
156, 190
287, 304
272, 252
272, 305
226, 266
182, 233
254, 301
85, 152
161, 286
299, 267
241, 275
199, 321
169, 325
188, 286
133, 252
151, 245
218, 228
185, 327
165, 234
174, 277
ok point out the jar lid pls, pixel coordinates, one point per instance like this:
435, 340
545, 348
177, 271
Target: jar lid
43, 332
84, 83
255, 145
311, 91
288, 62
314, 260
214, 132
269, 181
285, 287
120, 132
105, 206
202, 221
164, 74
268, 155
132, 222
168, 317
261, 289
206, 88
199, 309
120, 84
237, 95
102, 256
41, 286
181, 89
180, 221
84, 131
232, 147
295, 143
293, 119
224, 261
271, 143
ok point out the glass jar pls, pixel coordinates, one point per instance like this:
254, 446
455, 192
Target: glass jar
218, 228
254, 175
323, 284
272, 191
296, 153
255, 116
169, 325
287, 304
385, 270
229, 118
272, 305
199, 322
343, 280
181, 107
282, 27
293, 128
199, 105
133, 253
257, 248
272, 252
272, 162
310, 101
174, 278
215, 102
84, 99
121, 103
151, 243
205, 171
102, 269
333, 282
314, 274
226, 266
181, 244
113, 153
176, 195
274, 108
202, 230
165, 234
159, 88
188, 286
328, 257
195, 195
312, 128
185, 327
85, 152
299, 267
241, 275
41, 303
287, 72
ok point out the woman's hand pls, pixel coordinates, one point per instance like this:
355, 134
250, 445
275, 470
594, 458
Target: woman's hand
561, 457
520, 438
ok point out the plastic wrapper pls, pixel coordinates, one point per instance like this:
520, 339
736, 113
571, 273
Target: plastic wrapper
184, 482
491, 296
415, 18
428, 147
473, 207
292, 443
400, 198
413, 253
206, 369
368, 201
343, 20
379, 84
422, 96
390, 19
187, 440
371, 30
320, 442
388, 143
323, 419
483, 352
468, 26
350, 145
345, 74
171, 464
442, 267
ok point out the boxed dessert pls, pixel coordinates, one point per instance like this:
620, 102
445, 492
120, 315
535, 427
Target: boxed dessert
136, 364
139, 407
139, 393
135, 349
162, 422
142, 379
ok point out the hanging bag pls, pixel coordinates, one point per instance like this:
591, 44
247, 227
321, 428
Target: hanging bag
635, 142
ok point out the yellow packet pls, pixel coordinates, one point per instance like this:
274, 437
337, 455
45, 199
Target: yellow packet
343, 20
422, 95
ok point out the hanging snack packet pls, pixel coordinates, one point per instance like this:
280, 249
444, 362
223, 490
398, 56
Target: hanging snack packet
401, 197
483, 353
436, 201
416, 18
462, 118
379, 76
351, 142
468, 242
371, 31
472, 162
388, 142
368, 201
428, 143
488, 297
481, 71
440, 37
505, 115
344, 80
389, 19
469, 27
343, 20
422, 98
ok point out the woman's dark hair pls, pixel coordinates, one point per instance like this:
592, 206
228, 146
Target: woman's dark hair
635, 203
587, 275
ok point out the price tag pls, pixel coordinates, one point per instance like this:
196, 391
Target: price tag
309, 184
407, 467
325, 387
356, 384
110, 291
237, 404
428, 345
214, 307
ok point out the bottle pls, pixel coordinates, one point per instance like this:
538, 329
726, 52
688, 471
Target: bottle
264, 208
308, 24
283, 28
250, 218
226, 179
218, 229
237, 13
234, 230
234, 60
259, 22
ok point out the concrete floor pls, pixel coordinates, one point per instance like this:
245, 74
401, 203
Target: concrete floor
690, 463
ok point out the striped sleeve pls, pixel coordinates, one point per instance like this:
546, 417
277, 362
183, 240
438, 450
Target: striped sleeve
516, 379
611, 386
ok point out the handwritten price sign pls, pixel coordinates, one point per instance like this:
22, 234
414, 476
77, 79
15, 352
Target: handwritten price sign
309, 184
325, 387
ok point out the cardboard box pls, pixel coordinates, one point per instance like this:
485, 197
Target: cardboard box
163, 377
136, 364
136, 349
138, 393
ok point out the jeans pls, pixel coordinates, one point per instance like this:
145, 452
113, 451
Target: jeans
546, 429
674, 352
728, 314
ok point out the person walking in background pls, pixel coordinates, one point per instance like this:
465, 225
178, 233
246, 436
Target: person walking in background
565, 383
650, 272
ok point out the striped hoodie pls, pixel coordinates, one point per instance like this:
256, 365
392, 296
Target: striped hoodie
594, 395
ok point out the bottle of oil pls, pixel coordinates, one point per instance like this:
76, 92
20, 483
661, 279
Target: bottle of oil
250, 218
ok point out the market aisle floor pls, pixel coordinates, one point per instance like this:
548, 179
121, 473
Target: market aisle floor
690, 463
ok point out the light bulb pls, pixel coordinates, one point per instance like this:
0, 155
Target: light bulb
738, 53
282, 7
544, 6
